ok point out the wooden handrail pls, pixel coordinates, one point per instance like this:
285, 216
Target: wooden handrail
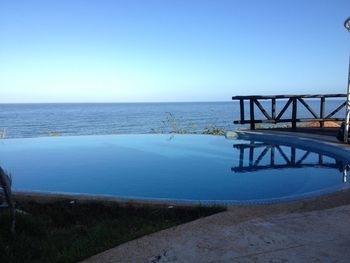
308, 96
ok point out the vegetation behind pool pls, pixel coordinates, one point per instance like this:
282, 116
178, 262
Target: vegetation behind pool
64, 231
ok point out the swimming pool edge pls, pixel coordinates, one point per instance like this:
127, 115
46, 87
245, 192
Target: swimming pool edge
327, 147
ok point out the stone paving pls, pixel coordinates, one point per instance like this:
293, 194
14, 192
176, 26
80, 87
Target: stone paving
317, 236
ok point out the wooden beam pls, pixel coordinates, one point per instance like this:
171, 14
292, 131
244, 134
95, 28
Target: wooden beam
322, 104
283, 154
251, 156
241, 105
282, 166
250, 145
261, 108
284, 109
272, 156
290, 120
336, 110
241, 157
308, 107
306, 154
273, 108
252, 122
261, 155
292, 155
306, 96
294, 113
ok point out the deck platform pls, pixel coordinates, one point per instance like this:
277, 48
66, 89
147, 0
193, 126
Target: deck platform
305, 130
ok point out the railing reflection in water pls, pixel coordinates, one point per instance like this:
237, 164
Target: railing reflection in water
291, 160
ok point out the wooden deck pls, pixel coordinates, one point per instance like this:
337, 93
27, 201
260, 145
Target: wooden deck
306, 130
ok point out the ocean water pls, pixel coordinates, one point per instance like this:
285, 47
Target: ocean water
39, 120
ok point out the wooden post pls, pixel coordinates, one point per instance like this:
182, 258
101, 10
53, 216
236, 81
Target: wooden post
251, 156
241, 104
320, 159
323, 99
292, 153
241, 156
272, 156
252, 119
294, 113
273, 108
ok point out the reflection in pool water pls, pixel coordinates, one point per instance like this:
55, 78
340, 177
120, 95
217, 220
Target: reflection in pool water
289, 160
181, 167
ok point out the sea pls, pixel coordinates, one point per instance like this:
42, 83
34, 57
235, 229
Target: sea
73, 119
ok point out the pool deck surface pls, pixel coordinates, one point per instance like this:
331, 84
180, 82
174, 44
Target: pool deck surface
316, 230
318, 236
327, 135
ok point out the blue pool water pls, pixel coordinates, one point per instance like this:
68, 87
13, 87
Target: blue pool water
195, 168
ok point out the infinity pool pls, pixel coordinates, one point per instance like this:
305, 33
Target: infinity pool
196, 168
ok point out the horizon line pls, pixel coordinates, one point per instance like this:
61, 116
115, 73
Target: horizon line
116, 102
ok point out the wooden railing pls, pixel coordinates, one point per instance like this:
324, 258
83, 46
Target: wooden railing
291, 100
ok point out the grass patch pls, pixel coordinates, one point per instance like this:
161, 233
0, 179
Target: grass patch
64, 232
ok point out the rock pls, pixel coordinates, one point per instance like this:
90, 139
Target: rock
231, 135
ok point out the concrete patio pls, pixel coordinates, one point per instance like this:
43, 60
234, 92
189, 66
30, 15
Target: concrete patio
317, 236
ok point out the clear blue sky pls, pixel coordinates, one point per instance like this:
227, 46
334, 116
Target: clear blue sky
170, 50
